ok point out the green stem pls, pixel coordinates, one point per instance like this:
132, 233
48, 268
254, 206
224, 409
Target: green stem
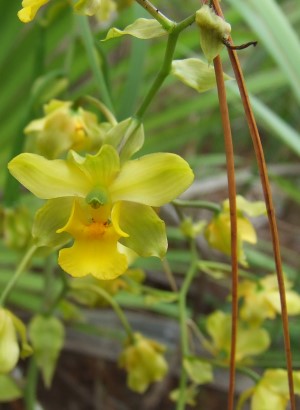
166, 23
161, 76
20, 269
167, 63
183, 325
185, 23
31, 385
203, 264
211, 206
105, 295
88, 41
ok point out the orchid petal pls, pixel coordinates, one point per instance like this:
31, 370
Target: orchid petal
101, 168
95, 250
29, 10
99, 258
49, 178
153, 180
146, 231
48, 219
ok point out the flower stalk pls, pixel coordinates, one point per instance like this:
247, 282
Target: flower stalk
20, 269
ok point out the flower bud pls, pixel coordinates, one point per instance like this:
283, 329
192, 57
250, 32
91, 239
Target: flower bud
213, 29
9, 348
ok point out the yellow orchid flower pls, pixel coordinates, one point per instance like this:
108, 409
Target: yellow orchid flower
63, 128
30, 8
261, 299
250, 341
272, 391
217, 232
109, 203
144, 361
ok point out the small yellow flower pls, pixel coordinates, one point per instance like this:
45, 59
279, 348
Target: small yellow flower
272, 391
30, 8
63, 128
261, 300
218, 234
250, 341
144, 362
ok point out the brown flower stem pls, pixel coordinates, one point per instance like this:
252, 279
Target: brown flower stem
233, 220
269, 204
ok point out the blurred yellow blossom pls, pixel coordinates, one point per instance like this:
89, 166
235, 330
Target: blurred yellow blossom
261, 300
217, 232
63, 128
250, 341
272, 391
144, 362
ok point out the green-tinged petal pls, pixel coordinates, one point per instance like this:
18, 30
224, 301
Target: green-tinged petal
196, 74
218, 328
142, 28
95, 248
48, 219
9, 389
47, 336
198, 370
251, 341
265, 399
250, 208
272, 392
9, 348
49, 178
115, 135
133, 141
88, 7
292, 301
153, 180
99, 169
246, 230
128, 135
147, 234
144, 362
213, 29
20, 328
